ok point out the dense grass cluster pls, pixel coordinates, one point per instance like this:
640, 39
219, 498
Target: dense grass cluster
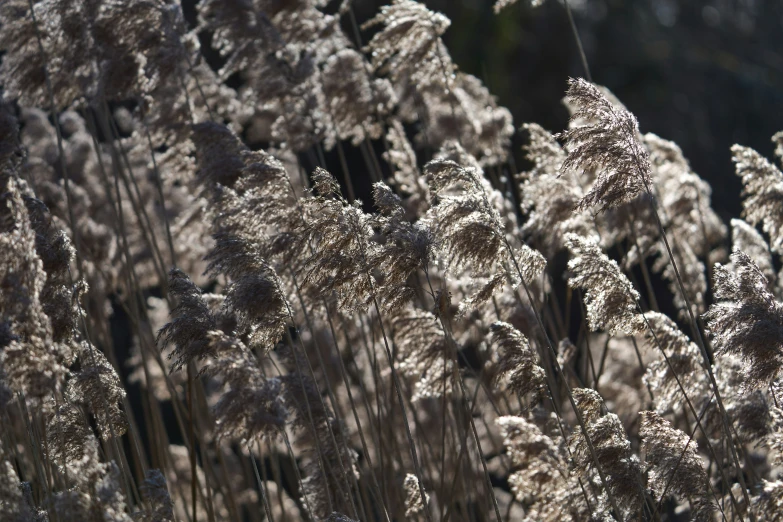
199, 320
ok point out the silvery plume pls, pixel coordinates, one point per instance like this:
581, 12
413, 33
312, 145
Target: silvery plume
408, 47
15, 505
693, 227
620, 466
452, 106
251, 194
191, 320
518, 368
338, 246
250, 405
674, 466
768, 504
404, 248
356, 103
610, 298
468, 114
747, 320
762, 193
684, 364
473, 226
413, 501
33, 363
549, 195
426, 354
99, 50
746, 238
538, 475
255, 293
748, 409
97, 385
406, 177
605, 139
155, 492
330, 465
685, 198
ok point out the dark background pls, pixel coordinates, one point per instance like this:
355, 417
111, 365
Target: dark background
705, 74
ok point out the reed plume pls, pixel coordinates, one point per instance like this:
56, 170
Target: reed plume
746, 320
604, 138
318, 215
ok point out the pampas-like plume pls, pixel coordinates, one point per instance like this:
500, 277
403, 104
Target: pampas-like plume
464, 222
612, 450
747, 321
610, 298
605, 140
775, 438
251, 405
407, 247
777, 139
763, 193
684, 196
539, 475
218, 155
98, 386
453, 106
694, 281
747, 410
685, 364
260, 204
468, 114
32, 361
517, 368
549, 196
328, 471
468, 221
13, 504
692, 225
425, 353
59, 298
191, 321
339, 237
407, 179
746, 238
95, 485
255, 294
768, 505
156, 494
194, 332
73, 444
99, 49
674, 465
409, 45
355, 100
107, 496
413, 502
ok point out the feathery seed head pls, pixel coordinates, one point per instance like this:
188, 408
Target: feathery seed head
518, 367
191, 320
605, 140
763, 193
610, 298
413, 501
673, 464
747, 320
156, 493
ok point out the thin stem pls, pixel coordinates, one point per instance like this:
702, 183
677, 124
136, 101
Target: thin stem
582, 54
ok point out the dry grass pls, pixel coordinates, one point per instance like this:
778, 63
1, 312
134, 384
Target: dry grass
194, 330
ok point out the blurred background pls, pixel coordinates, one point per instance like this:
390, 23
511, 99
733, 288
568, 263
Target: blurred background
705, 74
